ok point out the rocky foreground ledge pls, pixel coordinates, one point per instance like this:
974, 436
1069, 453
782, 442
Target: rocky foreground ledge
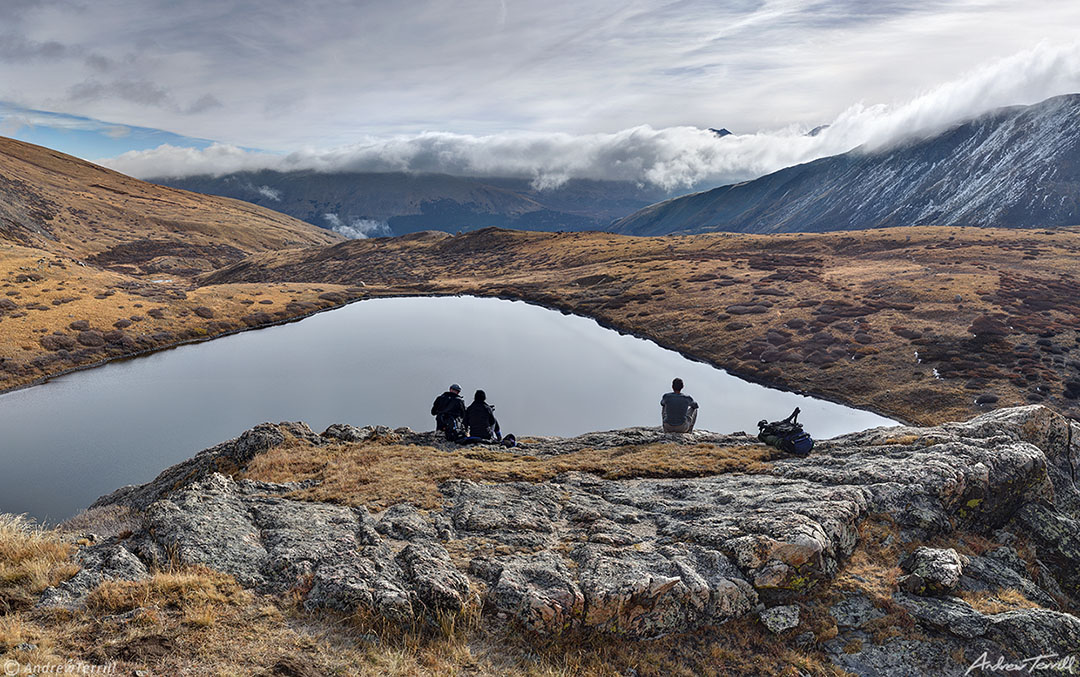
897, 550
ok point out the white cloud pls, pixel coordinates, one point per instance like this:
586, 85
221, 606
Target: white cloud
357, 229
269, 193
673, 157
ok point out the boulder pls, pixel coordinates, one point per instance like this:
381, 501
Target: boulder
779, 619
949, 613
539, 593
405, 522
100, 563
931, 570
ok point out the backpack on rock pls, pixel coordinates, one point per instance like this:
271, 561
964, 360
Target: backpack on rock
786, 435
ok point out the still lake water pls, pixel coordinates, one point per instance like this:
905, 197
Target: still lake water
380, 361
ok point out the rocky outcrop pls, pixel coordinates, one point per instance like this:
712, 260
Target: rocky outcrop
99, 563
649, 556
225, 457
930, 570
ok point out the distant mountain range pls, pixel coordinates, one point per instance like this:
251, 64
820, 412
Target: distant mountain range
1015, 167
399, 203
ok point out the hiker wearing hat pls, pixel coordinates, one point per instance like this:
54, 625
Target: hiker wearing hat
678, 412
449, 412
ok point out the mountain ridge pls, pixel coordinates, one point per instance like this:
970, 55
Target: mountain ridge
1013, 167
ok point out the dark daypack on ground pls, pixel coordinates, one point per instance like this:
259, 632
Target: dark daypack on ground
787, 435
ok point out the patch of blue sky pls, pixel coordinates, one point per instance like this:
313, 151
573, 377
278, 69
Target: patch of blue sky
84, 137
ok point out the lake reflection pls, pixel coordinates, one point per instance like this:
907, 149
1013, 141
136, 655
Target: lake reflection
380, 361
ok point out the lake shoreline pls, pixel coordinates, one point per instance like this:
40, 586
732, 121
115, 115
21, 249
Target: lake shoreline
748, 377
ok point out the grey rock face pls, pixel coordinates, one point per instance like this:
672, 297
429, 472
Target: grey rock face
643, 593
986, 574
895, 658
931, 570
274, 544
950, 613
1057, 539
539, 592
434, 579
348, 433
1035, 632
404, 522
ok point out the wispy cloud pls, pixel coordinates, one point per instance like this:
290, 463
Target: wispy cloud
674, 157
285, 75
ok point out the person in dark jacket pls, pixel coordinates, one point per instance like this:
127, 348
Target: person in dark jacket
449, 412
480, 417
678, 412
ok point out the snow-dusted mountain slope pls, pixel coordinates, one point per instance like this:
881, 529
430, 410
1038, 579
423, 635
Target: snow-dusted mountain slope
1014, 167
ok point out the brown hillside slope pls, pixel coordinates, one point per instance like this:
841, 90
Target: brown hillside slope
95, 265
917, 322
68, 206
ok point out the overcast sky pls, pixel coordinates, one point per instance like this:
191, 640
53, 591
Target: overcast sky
547, 89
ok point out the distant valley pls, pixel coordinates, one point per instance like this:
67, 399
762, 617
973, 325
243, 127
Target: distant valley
396, 203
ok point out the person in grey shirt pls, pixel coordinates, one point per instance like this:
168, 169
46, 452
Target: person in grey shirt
677, 411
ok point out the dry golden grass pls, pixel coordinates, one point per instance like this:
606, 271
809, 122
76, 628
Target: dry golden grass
191, 589
67, 292
741, 647
31, 559
379, 475
873, 569
902, 439
997, 601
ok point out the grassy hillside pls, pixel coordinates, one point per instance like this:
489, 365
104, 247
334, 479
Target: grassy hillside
95, 264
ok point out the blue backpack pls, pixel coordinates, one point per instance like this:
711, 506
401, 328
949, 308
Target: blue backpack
786, 435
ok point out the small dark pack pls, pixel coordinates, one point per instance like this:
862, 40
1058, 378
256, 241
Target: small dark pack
786, 435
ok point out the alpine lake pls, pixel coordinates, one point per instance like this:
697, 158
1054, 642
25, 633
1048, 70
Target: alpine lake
376, 362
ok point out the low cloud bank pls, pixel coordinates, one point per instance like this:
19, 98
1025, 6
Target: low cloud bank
670, 158
357, 229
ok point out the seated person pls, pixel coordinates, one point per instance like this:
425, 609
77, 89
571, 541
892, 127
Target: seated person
480, 417
678, 412
449, 412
